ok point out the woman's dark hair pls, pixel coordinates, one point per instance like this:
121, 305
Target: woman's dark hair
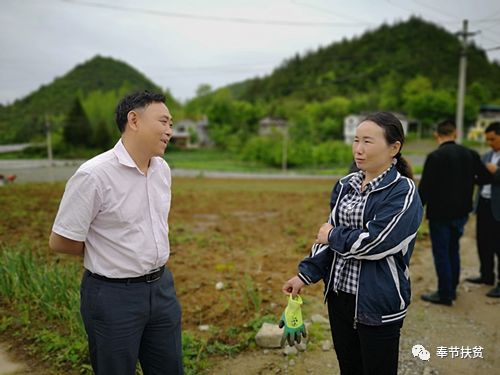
393, 131
133, 101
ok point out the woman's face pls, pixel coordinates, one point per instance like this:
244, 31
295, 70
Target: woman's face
370, 149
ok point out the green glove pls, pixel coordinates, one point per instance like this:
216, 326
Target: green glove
291, 319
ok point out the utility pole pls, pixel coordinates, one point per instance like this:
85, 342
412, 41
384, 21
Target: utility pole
49, 139
284, 159
462, 71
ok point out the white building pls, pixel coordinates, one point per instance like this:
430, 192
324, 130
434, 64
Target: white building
191, 134
487, 115
270, 125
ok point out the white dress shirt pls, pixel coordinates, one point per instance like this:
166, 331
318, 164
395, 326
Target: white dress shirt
486, 189
119, 212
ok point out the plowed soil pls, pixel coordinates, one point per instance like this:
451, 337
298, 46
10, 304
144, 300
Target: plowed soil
249, 235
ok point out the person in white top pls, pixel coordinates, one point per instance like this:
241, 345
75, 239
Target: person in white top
114, 213
488, 216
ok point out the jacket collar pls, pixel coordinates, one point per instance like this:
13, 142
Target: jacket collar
447, 143
391, 176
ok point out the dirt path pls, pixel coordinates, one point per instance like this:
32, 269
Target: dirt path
471, 322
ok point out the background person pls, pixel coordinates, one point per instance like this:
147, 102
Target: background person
114, 212
446, 188
362, 253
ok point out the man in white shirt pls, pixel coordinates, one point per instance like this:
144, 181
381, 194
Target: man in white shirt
114, 212
488, 216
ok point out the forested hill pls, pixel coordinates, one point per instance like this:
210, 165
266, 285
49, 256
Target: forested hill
22, 120
389, 55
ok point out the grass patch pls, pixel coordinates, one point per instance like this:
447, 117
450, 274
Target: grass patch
42, 299
211, 160
215, 160
251, 294
317, 333
40, 305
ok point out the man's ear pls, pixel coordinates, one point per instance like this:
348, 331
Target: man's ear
132, 119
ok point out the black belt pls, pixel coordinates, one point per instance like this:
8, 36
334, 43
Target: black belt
148, 278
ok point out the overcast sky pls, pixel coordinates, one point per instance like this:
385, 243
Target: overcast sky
180, 44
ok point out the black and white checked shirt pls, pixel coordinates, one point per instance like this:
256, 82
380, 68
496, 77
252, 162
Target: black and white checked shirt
350, 212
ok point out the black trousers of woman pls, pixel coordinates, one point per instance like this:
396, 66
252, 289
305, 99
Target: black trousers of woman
364, 350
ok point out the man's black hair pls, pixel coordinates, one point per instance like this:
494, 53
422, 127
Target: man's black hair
493, 127
133, 101
446, 127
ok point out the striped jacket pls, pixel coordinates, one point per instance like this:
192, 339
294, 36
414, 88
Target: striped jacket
391, 217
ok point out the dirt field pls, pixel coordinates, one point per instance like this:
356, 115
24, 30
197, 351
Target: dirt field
472, 321
250, 235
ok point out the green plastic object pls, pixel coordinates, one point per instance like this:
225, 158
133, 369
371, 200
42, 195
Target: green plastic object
291, 321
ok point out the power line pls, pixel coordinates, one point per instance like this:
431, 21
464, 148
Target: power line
435, 9
489, 29
400, 7
241, 20
324, 10
489, 39
487, 20
490, 17
267, 22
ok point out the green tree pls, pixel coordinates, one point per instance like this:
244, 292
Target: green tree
102, 136
390, 92
426, 104
416, 86
203, 89
321, 121
431, 107
232, 122
99, 108
77, 129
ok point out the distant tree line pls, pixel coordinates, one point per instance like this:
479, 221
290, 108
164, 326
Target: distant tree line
410, 67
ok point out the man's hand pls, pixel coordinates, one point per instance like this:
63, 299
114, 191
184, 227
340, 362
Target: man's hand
323, 232
491, 167
293, 286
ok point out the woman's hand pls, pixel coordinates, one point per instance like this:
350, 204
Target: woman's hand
323, 232
294, 285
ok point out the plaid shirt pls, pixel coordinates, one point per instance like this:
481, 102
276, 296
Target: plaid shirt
350, 211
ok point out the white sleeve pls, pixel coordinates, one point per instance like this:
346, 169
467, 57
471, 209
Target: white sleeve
79, 206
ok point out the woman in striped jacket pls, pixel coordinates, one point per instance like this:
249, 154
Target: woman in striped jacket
363, 251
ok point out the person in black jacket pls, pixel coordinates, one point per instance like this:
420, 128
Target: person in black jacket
446, 187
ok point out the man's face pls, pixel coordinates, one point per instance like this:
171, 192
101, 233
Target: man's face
155, 128
493, 140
